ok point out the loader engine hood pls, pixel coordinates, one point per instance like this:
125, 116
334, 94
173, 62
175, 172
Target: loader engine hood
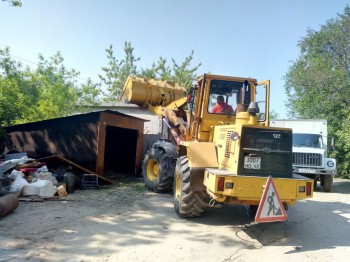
265, 151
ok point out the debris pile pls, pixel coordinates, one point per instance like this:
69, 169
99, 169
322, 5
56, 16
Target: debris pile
26, 177
36, 180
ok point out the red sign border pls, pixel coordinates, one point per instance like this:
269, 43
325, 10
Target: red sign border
258, 219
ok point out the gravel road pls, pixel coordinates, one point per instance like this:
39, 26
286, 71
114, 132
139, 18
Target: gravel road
128, 223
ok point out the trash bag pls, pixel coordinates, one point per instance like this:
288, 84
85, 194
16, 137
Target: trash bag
69, 179
18, 184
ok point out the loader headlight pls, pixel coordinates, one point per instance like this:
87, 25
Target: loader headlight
330, 163
234, 136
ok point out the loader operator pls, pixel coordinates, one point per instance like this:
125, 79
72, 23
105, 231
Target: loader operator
221, 106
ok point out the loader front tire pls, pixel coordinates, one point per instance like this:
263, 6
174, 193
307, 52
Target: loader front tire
187, 203
158, 170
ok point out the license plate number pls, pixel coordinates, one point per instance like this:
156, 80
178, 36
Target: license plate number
304, 170
252, 162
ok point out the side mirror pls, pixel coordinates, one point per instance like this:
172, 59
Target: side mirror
191, 94
189, 98
253, 108
332, 145
261, 117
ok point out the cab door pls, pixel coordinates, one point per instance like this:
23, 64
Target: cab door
262, 97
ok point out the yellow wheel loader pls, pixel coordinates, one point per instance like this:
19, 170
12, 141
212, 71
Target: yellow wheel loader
219, 147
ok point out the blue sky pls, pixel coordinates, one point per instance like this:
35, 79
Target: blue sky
247, 38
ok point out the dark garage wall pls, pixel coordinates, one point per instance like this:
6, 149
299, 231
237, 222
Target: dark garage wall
97, 141
74, 137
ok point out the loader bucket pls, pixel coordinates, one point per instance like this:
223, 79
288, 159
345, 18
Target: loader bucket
142, 92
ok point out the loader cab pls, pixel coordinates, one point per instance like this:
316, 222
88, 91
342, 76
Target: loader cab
218, 100
230, 97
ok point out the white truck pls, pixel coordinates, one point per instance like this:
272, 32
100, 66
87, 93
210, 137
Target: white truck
310, 150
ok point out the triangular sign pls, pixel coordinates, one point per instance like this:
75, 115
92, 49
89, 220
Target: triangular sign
270, 207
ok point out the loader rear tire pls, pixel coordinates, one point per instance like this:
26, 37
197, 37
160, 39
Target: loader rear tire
187, 203
158, 170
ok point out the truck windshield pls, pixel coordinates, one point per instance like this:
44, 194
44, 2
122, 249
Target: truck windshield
307, 140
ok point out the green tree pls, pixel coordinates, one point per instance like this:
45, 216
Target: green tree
117, 71
89, 95
18, 95
49, 91
182, 73
10, 100
273, 114
318, 82
16, 3
58, 88
160, 70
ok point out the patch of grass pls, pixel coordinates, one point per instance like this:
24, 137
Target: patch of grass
137, 185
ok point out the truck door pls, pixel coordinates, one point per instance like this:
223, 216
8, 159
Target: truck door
262, 97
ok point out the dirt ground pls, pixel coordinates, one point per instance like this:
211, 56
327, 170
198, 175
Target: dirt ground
128, 223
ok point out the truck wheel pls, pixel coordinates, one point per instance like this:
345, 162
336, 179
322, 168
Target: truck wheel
187, 203
158, 170
327, 183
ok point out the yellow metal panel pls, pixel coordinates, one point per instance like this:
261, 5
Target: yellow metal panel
227, 149
251, 188
202, 154
230, 78
247, 187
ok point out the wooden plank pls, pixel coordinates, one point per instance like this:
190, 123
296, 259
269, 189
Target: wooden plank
82, 169
30, 199
41, 199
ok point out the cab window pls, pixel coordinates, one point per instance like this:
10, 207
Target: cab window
224, 96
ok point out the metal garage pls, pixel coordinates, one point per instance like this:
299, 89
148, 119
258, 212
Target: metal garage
99, 141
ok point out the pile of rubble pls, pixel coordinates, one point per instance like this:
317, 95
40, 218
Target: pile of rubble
27, 179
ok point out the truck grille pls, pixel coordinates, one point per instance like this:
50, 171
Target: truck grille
307, 159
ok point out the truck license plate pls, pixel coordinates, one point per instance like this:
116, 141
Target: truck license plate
251, 162
305, 170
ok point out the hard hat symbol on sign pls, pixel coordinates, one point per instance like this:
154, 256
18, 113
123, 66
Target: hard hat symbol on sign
270, 207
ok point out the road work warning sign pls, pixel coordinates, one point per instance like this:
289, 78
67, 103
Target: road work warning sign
270, 207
